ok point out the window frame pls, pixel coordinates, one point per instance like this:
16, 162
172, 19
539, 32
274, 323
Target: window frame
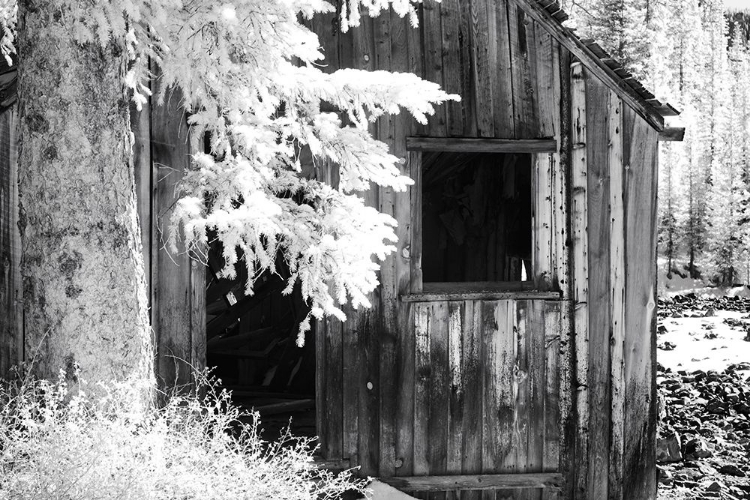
542, 164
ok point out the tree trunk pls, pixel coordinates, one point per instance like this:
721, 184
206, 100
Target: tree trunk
82, 264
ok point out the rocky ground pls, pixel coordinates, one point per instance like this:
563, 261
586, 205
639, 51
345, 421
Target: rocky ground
704, 397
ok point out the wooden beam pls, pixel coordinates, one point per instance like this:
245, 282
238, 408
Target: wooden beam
593, 63
676, 134
473, 145
463, 296
475, 482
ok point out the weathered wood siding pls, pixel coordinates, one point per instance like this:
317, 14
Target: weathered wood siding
176, 282
11, 296
508, 73
614, 174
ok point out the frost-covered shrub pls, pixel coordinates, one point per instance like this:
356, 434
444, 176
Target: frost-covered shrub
59, 443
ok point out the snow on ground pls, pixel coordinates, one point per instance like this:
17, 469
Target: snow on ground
703, 343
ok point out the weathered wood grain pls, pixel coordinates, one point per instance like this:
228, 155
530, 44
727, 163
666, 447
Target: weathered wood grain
454, 40
542, 174
523, 58
500, 59
476, 482
415, 193
617, 294
455, 449
537, 361
672, 134
579, 228
477, 145
173, 279
600, 316
140, 125
388, 281
423, 375
404, 370
334, 404
640, 308
439, 390
321, 399
472, 380
554, 401
432, 33
11, 295
350, 387
483, 67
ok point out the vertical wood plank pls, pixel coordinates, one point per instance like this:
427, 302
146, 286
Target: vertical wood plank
11, 299
537, 328
555, 329
369, 323
140, 125
640, 308
542, 175
579, 228
173, 277
423, 374
455, 41
388, 287
350, 388
567, 339
600, 316
472, 371
432, 32
334, 405
483, 66
454, 451
369, 391
502, 79
499, 347
523, 56
617, 294
404, 372
548, 91
321, 386
415, 167
523, 420
440, 391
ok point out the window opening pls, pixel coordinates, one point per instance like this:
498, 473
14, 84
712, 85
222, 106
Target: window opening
476, 217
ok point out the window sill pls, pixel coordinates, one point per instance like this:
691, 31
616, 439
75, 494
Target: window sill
434, 292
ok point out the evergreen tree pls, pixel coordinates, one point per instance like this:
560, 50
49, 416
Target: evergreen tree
248, 72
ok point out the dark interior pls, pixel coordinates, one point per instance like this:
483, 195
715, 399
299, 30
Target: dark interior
476, 217
251, 346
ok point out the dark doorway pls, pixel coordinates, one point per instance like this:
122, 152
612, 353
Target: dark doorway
251, 345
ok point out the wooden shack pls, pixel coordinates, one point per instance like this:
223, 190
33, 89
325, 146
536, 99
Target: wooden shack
511, 346
510, 349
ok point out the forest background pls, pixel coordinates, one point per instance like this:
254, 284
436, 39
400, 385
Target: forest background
695, 54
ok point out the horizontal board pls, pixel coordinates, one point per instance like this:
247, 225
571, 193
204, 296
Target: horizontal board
475, 482
474, 145
479, 295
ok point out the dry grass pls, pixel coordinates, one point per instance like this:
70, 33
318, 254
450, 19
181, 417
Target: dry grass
57, 443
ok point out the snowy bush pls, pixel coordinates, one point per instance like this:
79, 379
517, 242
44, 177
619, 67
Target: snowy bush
60, 443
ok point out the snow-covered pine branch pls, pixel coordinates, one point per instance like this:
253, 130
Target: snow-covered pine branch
234, 65
249, 74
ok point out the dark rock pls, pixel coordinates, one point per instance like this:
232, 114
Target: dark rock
714, 486
732, 470
668, 449
697, 448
